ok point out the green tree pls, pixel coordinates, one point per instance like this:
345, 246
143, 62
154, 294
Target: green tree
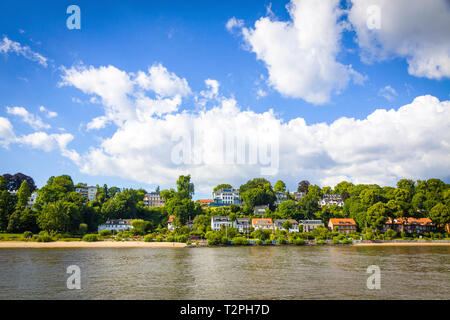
23, 195
288, 209
279, 186
377, 215
140, 226
440, 214
185, 188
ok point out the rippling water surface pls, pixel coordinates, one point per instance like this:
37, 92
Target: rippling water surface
227, 273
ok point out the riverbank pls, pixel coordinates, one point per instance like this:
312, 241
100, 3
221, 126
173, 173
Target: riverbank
82, 244
402, 244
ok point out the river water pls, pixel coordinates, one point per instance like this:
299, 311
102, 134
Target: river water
327, 272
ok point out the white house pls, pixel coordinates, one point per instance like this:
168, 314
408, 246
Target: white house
116, 225
310, 225
32, 200
260, 209
218, 221
331, 199
278, 225
242, 224
226, 196
281, 196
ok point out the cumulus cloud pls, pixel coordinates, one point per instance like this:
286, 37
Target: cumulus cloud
301, 54
38, 140
413, 29
411, 141
125, 95
48, 113
233, 23
9, 46
6, 132
34, 121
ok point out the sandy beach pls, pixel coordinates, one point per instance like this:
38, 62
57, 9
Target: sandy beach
405, 244
82, 244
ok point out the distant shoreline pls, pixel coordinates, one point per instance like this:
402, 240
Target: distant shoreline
83, 244
400, 244
143, 244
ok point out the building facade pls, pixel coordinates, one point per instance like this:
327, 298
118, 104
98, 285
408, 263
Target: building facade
298, 195
342, 225
153, 200
226, 197
281, 196
116, 225
262, 223
409, 225
260, 209
90, 193
242, 224
331, 199
310, 225
278, 225
218, 221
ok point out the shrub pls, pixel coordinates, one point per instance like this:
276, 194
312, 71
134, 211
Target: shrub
159, 239
268, 241
83, 228
148, 238
259, 242
90, 237
105, 233
182, 238
320, 242
44, 237
281, 240
224, 240
299, 242
28, 234
346, 241
170, 239
335, 240
369, 236
240, 241
390, 233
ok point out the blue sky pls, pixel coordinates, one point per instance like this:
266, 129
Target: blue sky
190, 40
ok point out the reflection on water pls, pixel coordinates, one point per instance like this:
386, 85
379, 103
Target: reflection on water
227, 273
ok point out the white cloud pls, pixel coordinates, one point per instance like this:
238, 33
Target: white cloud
124, 95
7, 46
413, 29
388, 93
164, 83
389, 144
233, 23
300, 54
34, 121
48, 113
6, 132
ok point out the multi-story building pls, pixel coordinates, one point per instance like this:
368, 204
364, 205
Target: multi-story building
116, 225
342, 225
226, 197
153, 199
331, 199
278, 225
310, 225
242, 224
409, 225
90, 192
262, 223
281, 196
218, 221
